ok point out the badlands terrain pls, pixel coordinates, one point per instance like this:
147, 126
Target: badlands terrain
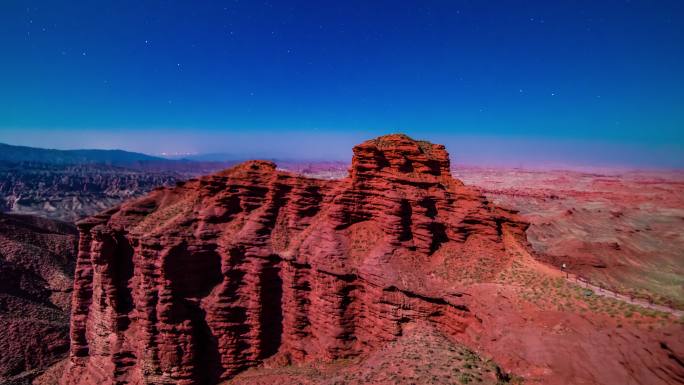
71, 192
70, 185
397, 269
619, 230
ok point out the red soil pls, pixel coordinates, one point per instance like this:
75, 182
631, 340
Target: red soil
618, 230
36, 271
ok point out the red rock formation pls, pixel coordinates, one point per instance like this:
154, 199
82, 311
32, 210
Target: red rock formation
193, 284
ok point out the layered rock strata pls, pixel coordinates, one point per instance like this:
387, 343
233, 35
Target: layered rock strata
193, 284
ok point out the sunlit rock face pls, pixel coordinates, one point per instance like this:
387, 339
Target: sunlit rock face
193, 284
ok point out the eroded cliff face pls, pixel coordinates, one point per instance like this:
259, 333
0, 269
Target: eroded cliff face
193, 284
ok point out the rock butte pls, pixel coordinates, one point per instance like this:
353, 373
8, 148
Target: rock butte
193, 284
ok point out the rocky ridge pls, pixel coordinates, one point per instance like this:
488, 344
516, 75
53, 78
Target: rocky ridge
196, 283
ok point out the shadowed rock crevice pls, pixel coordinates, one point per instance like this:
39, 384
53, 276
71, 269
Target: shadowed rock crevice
406, 166
272, 314
122, 272
405, 213
439, 235
208, 367
192, 273
429, 205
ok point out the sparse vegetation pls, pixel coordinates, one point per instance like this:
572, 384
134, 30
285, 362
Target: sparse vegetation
559, 294
422, 356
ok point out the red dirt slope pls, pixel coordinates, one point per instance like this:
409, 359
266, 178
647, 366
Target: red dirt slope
37, 259
620, 230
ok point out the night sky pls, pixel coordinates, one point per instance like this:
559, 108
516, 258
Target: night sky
500, 82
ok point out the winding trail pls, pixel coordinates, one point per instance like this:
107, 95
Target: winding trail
513, 245
603, 292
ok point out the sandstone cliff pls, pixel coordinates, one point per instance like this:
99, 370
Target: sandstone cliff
196, 283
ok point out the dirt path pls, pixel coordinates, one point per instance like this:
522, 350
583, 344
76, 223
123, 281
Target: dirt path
513, 245
603, 292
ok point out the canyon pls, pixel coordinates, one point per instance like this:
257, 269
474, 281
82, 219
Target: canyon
258, 275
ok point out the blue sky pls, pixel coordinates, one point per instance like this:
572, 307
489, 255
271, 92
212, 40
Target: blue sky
520, 82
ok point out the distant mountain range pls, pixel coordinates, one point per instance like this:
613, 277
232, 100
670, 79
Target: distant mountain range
10, 153
208, 157
194, 164
116, 158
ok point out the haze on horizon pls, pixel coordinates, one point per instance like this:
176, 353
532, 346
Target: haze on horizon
521, 84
